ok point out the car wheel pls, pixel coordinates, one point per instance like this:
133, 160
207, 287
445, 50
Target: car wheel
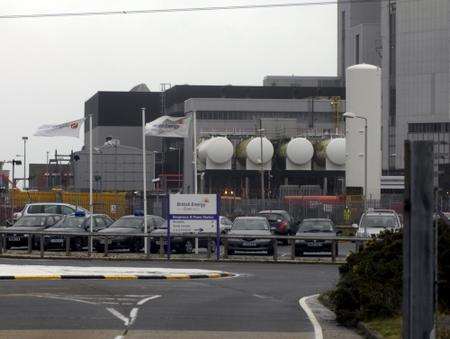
298, 252
99, 248
153, 248
230, 252
136, 247
188, 247
270, 251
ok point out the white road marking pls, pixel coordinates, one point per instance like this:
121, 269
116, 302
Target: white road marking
133, 315
261, 296
118, 315
317, 328
143, 301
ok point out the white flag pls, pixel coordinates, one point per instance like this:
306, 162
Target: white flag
67, 129
166, 126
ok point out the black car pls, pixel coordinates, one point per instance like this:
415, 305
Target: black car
249, 228
317, 228
281, 223
75, 223
34, 222
129, 224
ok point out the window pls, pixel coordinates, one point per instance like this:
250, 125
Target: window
66, 210
52, 209
357, 49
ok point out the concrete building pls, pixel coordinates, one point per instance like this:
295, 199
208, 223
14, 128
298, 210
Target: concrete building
116, 167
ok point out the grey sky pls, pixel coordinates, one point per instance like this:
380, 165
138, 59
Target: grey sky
49, 67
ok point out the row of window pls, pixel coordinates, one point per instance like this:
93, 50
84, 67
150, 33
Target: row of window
251, 115
429, 127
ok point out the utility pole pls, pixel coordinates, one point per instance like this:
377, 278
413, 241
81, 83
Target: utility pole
262, 162
25, 162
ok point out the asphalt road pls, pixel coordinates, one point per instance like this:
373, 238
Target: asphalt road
262, 302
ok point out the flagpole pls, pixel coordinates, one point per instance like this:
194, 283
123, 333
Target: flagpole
144, 177
91, 200
195, 151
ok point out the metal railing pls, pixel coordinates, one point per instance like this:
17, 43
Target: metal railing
34, 237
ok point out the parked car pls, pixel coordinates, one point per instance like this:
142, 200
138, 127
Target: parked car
75, 223
225, 224
33, 222
129, 224
250, 228
315, 227
48, 207
281, 223
374, 222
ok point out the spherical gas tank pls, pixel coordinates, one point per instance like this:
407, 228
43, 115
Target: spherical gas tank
219, 150
299, 151
335, 151
253, 150
201, 150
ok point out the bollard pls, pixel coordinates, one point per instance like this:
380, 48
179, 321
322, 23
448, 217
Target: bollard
147, 241
293, 249
41, 245
2, 239
225, 248
333, 250
67, 246
275, 249
30, 245
106, 249
90, 241
161, 246
209, 247
196, 245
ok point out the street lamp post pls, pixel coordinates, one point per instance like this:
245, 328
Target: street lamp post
350, 115
25, 162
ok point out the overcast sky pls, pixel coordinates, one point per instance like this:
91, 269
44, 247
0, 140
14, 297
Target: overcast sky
50, 66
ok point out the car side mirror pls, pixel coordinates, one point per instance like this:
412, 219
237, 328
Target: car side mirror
355, 226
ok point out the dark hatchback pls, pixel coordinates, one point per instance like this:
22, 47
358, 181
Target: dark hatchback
127, 225
249, 228
75, 223
315, 228
31, 223
281, 223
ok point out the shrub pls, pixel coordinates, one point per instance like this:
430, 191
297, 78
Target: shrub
370, 284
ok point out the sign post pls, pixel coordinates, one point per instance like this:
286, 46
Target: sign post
194, 213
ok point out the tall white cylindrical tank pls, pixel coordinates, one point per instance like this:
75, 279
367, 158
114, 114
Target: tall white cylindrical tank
299, 151
363, 98
335, 151
253, 150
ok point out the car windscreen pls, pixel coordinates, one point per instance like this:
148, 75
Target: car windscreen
316, 226
273, 216
250, 224
128, 222
379, 221
71, 222
30, 221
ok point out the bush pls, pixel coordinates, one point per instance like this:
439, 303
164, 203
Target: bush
370, 284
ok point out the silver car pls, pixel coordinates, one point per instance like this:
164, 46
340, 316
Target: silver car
372, 223
49, 208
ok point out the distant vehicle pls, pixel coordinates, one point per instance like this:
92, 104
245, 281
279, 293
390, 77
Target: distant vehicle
281, 223
34, 222
376, 221
48, 207
315, 227
250, 228
75, 223
129, 224
225, 224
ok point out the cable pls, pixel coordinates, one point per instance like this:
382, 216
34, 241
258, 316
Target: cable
187, 9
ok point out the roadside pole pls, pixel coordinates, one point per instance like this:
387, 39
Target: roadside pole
91, 200
144, 178
418, 242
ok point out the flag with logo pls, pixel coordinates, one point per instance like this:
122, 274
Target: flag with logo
67, 129
166, 126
